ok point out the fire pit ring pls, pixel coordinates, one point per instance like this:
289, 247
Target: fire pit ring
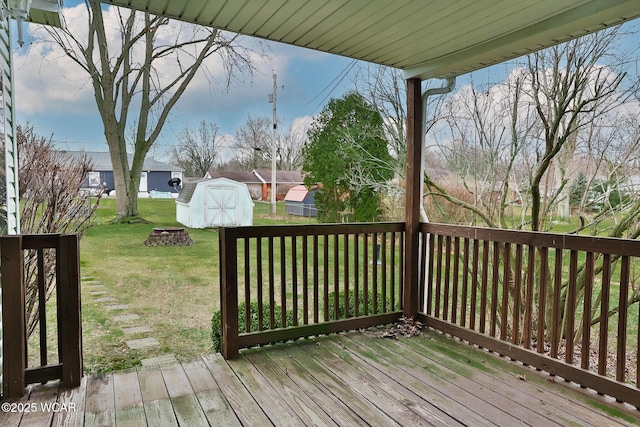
168, 236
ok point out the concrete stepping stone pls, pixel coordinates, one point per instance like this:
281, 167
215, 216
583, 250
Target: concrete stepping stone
165, 359
137, 330
99, 292
142, 343
126, 317
105, 299
116, 307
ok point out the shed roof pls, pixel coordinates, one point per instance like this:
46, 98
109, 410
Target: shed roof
427, 39
189, 188
296, 194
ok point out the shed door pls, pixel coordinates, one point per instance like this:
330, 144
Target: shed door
221, 206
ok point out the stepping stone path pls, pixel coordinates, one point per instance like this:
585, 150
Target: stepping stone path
100, 294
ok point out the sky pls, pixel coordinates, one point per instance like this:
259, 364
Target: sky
55, 95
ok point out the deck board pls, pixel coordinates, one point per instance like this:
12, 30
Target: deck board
100, 401
157, 406
212, 400
129, 407
347, 379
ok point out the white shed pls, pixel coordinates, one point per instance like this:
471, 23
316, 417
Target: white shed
218, 202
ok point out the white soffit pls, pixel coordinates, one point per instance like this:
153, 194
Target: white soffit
426, 38
47, 12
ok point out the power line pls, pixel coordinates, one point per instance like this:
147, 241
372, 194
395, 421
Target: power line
335, 82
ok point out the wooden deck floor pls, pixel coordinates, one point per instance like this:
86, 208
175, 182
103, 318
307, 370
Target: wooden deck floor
347, 379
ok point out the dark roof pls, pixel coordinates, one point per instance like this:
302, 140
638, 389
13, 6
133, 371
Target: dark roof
246, 177
188, 188
282, 177
101, 161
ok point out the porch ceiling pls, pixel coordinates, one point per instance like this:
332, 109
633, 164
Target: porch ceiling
435, 38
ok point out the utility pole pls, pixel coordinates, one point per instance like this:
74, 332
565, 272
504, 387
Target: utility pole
273, 146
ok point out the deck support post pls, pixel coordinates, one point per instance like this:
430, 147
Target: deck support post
229, 293
413, 197
13, 317
69, 310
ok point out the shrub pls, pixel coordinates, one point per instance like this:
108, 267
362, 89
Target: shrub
216, 321
352, 308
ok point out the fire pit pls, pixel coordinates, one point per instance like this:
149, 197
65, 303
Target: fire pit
168, 236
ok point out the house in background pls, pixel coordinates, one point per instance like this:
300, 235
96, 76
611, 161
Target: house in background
285, 180
259, 181
249, 179
154, 179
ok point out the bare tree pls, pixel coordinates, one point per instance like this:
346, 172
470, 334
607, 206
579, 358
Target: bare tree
51, 202
198, 149
289, 147
125, 75
254, 142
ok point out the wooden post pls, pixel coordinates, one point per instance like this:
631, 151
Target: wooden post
413, 197
69, 310
229, 293
13, 316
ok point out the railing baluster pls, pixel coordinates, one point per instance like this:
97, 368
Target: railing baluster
316, 280
474, 283
336, 276
42, 300
247, 284
517, 292
622, 319
283, 284
603, 348
260, 283
484, 286
456, 272
465, 282
438, 292
393, 273
374, 271
586, 312
365, 269
326, 274
345, 260
495, 279
294, 279
571, 306
384, 272
555, 311
527, 325
356, 274
272, 293
542, 298
447, 277
430, 286
506, 274
305, 278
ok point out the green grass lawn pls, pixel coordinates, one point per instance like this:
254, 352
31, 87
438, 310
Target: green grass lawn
174, 290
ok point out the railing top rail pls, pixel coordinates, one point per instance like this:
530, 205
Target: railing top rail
314, 230
38, 241
604, 245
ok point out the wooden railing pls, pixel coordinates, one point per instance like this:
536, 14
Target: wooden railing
299, 281
68, 368
547, 300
